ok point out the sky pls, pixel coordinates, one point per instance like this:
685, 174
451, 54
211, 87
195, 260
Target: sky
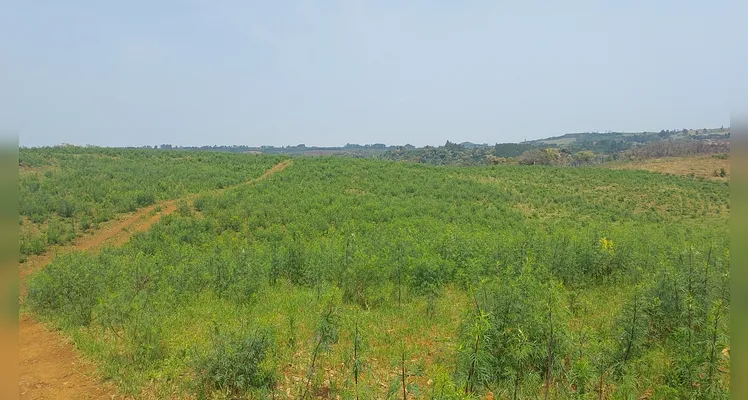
327, 73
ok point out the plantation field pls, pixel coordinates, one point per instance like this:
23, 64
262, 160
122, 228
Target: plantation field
66, 192
357, 278
700, 166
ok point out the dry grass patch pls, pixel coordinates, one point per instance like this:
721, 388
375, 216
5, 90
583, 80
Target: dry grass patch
703, 166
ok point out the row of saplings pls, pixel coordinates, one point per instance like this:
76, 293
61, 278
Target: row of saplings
525, 336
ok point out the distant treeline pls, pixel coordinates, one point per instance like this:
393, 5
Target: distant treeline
300, 148
535, 153
675, 149
570, 149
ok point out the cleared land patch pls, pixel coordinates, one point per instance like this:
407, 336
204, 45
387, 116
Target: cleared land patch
703, 166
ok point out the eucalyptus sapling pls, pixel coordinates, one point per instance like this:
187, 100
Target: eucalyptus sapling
520, 356
549, 361
601, 360
356, 357
292, 332
478, 332
402, 371
632, 331
716, 319
326, 335
399, 266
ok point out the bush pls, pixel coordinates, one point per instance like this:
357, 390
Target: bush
143, 199
54, 233
85, 223
68, 288
145, 337
506, 336
201, 203
38, 218
584, 157
33, 245
65, 208
548, 156
427, 276
183, 209
237, 362
362, 282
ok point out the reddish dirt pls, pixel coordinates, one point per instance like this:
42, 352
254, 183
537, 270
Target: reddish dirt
49, 365
50, 368
275, 169
141, 224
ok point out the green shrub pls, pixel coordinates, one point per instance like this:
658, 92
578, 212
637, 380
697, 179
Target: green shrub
143, 199
144, 336
65, 208
201, 203
33, 245
67, 288
183, 208
38, 218
55, 233
237, 362
85, 223
427, 276
508, 332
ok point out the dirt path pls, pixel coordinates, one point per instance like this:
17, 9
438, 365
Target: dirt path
113, 232
50, 368
49, 365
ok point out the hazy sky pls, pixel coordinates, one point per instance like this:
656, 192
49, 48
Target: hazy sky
195, 72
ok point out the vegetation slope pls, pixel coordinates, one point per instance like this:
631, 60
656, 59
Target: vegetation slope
373, 279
